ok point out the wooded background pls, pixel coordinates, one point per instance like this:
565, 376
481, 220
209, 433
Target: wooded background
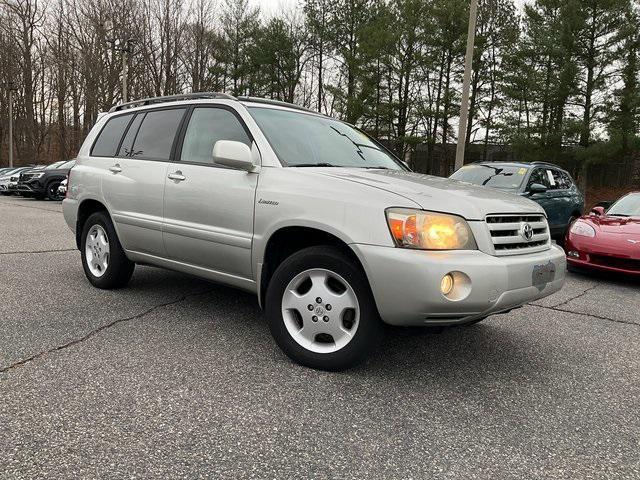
556, 80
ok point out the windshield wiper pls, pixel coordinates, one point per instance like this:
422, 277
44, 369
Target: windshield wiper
319, 164
375, 168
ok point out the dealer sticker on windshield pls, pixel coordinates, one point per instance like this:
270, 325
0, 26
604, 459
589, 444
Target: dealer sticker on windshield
543, 274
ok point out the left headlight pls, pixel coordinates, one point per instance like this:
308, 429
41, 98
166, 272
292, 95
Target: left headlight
583, 229
429, 230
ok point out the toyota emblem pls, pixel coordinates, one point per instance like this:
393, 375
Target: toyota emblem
527, 232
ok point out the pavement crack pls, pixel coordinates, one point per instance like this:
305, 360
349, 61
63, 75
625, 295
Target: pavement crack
599, 317
98, 330
13, 204
575, 297
40, 251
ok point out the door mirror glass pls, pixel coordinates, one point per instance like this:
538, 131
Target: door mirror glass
233, 154
597, 211
537, 188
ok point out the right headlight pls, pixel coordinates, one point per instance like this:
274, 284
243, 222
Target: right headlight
583, 229
429, 230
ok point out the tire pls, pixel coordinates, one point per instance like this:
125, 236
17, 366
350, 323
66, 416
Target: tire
52, 190
312, 273
99, 235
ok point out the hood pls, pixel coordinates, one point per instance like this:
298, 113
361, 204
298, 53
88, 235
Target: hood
616, 225
439, 194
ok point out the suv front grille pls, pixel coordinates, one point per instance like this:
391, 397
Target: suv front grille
508, 233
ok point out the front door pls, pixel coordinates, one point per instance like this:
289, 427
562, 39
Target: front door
208, 208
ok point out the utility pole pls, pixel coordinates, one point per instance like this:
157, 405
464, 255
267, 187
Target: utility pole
10, 87
125, 50
466, 81
125, 47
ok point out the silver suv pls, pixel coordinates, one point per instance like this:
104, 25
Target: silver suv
326, 226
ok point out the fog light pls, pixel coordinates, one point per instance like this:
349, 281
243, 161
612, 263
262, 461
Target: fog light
446, 285
574, 254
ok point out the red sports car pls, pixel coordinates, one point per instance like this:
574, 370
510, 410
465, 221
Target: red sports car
607, 240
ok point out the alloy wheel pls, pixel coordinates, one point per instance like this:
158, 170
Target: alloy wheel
320, 310
97, 250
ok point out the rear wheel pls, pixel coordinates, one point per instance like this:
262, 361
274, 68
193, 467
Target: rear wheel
103, 259
321, 311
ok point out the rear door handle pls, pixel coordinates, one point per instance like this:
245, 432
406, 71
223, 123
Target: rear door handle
177, 176
115, 168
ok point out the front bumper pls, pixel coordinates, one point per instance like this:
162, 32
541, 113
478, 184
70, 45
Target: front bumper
406, 283
33, 187
595, 254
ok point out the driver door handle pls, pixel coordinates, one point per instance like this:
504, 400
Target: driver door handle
115, 168
177, 176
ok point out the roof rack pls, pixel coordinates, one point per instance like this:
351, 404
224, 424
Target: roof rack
276, 102
545, 163
171, 98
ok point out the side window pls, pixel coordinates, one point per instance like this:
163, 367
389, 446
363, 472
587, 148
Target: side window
126, 149
565, 180
156, 134
109, 138
539, 175
206, 126
561, 180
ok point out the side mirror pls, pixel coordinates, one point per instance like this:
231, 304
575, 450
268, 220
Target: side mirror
537, 188
597, 211
233, 154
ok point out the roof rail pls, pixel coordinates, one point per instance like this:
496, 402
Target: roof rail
546, 163
276, 102
171, 98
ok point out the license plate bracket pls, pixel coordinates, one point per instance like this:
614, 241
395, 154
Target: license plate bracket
543, 274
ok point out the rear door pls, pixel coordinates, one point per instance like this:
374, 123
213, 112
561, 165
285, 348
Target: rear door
208, 208
135, 167
564, 197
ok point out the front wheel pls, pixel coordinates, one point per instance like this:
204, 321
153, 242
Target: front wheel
103, 259
52, 191
321, 311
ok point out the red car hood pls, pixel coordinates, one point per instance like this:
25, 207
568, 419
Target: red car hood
622, 225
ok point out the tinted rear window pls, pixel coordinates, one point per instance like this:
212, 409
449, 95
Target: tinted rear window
109, 138
497, 176
156, 134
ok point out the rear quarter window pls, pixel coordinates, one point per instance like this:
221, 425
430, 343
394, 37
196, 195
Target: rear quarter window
109, 137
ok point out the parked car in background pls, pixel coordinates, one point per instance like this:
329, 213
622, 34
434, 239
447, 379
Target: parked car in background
62, 189
607, 240
41, 183
325, 226
544, 183
10, 177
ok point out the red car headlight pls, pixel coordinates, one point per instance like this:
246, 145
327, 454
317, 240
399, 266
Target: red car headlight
583, 229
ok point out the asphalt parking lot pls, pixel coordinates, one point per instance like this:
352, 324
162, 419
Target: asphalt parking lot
175, 377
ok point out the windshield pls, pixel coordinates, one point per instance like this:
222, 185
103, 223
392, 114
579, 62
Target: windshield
627, 206
306, 140
506, 177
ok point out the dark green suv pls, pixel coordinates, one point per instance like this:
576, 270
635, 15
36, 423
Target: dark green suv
545, 183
